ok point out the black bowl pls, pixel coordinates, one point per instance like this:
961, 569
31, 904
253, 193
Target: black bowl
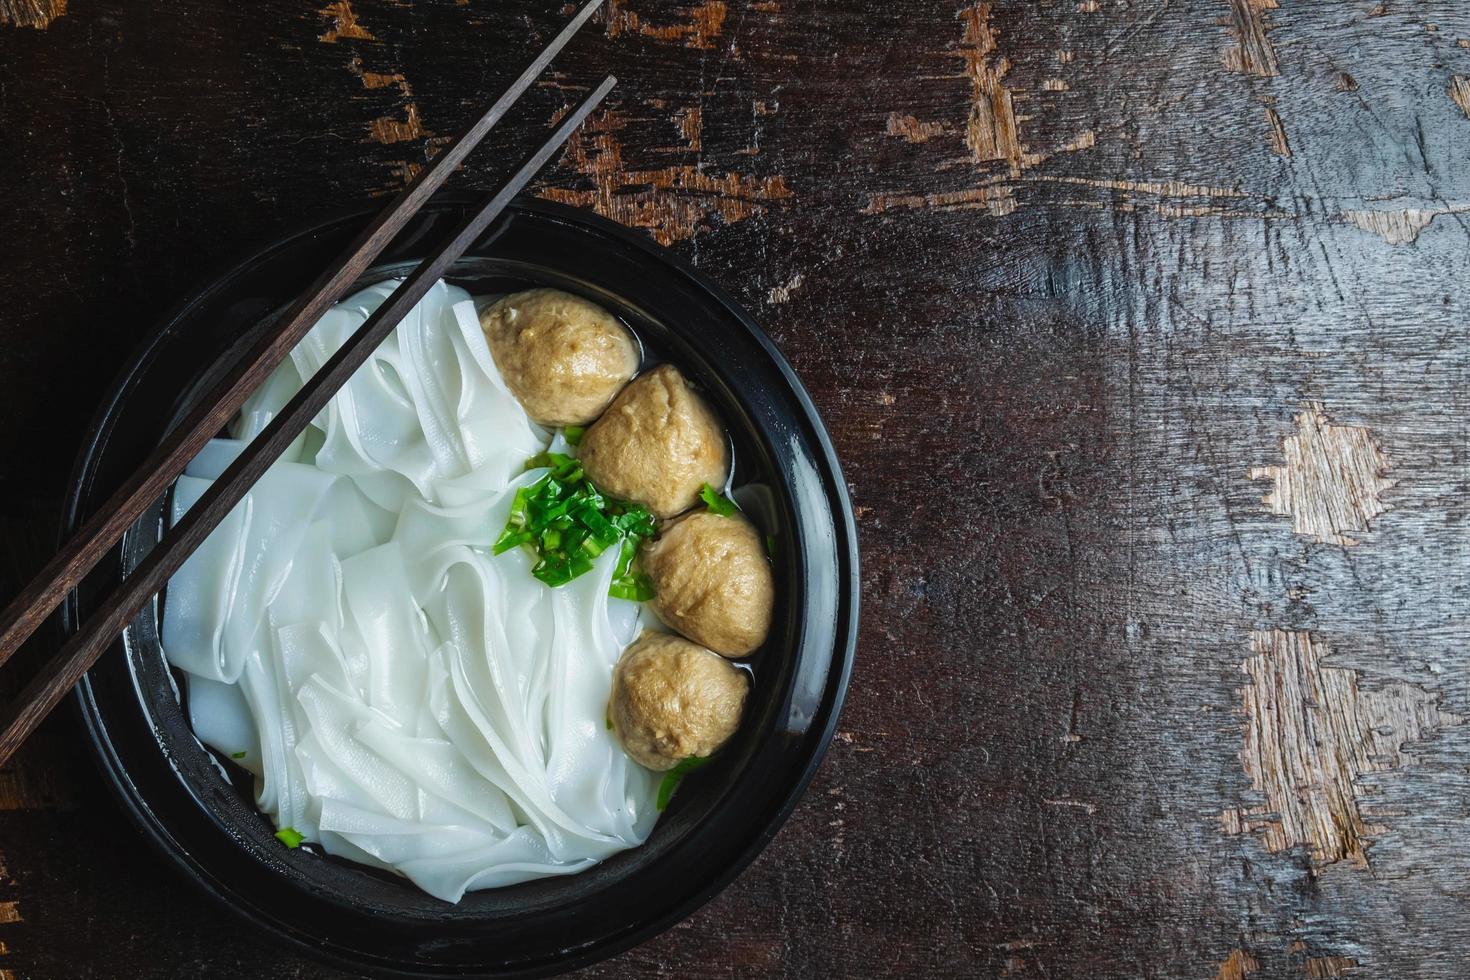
186, 802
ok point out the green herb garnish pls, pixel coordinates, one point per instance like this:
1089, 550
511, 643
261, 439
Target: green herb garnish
718, 503
676, 775
566, 522
626, 583
290, 837
238, 755
771, 545
573, 434
609, 722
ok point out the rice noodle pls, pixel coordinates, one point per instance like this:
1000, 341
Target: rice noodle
404, 698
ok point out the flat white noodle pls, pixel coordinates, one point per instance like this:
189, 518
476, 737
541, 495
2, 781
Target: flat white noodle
405, 698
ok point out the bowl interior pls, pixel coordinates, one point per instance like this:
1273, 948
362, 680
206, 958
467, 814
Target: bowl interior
200, 810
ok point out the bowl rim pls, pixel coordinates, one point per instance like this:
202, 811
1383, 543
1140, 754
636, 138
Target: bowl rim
845, 626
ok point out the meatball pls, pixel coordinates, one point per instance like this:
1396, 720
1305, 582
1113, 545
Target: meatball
657, 444
672, 699
562, 357
711, 581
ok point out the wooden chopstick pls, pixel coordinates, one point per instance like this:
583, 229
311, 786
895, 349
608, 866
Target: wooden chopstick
105, 528
59, 674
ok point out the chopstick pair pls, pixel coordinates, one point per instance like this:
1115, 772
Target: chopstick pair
99, 534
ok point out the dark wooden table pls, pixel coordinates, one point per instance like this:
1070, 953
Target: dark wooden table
1140, 326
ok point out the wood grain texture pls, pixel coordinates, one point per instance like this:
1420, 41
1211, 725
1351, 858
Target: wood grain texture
31, 13
1056, 289
1332, 481
1311, 737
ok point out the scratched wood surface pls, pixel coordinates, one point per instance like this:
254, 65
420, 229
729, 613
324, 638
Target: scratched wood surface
1139, 325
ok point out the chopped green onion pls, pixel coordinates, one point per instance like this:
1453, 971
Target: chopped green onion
565, 522
676, 775
604, 531
771, 545
608, 719
511, 538
635, 587
718, 503
573, 434
290, 836
625, 560
558, 463
637, 522
238, 755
